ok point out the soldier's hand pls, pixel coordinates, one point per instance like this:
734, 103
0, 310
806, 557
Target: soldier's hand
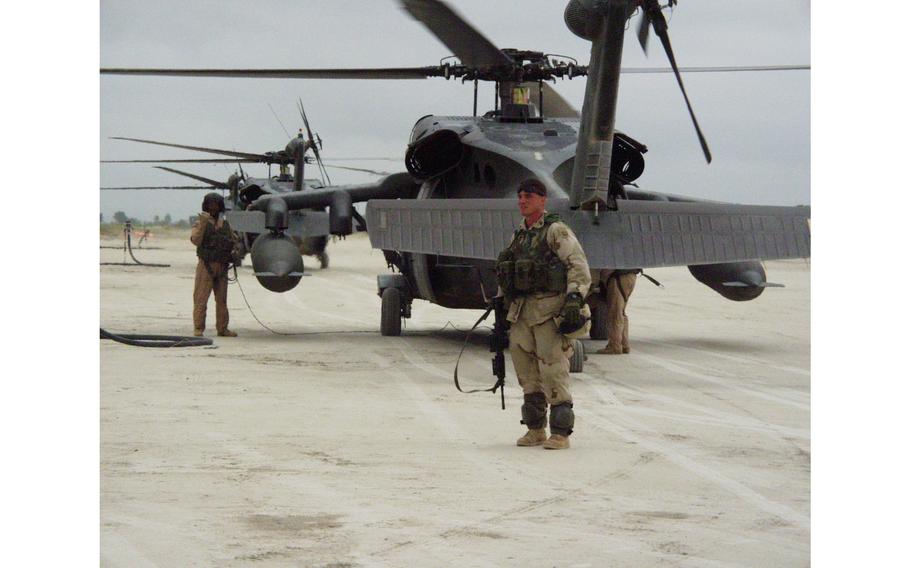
571, 313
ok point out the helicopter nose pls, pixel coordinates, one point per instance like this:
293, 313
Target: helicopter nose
276, 262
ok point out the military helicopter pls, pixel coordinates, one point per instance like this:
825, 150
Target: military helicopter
308, 228
443, 243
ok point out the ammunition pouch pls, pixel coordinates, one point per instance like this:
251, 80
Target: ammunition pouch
534, 411
505, 271
217, 245
524, 275
527, 275
562, 419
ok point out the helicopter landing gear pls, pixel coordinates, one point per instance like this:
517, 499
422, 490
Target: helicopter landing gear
598, 322
577, 360
390, 324
396, 303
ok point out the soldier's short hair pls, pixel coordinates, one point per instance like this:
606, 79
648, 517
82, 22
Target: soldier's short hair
533, 185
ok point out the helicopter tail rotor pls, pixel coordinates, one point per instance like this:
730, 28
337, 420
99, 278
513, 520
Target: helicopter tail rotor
653, 17
312, 142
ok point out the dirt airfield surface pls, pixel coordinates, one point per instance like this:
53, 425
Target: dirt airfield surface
338, 447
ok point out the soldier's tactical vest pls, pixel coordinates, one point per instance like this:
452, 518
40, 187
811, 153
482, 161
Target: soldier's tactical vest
217, 244
529, 265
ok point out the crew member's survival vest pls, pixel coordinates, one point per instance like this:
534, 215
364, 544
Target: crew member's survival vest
217, 244
529, 265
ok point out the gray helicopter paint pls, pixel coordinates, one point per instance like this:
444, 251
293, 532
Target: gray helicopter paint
539, 147
300, 223
640, 234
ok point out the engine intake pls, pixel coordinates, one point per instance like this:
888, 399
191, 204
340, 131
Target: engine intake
434, 155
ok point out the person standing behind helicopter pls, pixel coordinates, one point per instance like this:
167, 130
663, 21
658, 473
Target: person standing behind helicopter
215, 243
615, 290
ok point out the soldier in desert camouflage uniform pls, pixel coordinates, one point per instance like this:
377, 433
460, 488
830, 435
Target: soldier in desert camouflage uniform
544, 277
615, 290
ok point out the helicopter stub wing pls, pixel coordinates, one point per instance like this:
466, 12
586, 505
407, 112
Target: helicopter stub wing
640, 234
395, 185
300, 223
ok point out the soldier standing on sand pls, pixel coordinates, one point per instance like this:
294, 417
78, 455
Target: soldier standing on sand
616, 288
214, 242
544, 277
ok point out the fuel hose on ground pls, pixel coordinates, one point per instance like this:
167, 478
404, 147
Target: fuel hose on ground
145, 340
128, 246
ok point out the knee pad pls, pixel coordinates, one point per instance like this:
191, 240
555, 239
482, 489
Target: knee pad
534, 411
562, 419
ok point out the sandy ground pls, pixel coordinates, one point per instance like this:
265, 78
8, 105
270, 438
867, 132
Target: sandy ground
340, 447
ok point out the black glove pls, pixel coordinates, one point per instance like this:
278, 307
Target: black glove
572, 319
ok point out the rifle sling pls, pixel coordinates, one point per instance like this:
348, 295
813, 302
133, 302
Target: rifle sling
464, 345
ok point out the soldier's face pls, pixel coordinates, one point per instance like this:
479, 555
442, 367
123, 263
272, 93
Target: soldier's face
530, 204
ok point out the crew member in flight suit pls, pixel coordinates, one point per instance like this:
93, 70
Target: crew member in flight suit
544, 277
215, 243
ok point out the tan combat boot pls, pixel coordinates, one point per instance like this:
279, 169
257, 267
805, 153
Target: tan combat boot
197, 332
610, 349
556, 442
534, 437
227, 333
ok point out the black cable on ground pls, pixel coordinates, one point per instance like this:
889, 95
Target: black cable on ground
144, 340
236, 280
129, 246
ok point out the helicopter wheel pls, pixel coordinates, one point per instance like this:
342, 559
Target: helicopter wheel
390, 324
598, 322
577, 361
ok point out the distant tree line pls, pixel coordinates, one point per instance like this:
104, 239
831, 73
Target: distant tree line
121, 218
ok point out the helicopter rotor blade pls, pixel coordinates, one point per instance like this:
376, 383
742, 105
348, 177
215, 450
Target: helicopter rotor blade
184, 161
368, 158
306, 122
554, 105
659, 23
367, 170
168, 187
730, 69
211, 182
245, 155
312, 141
644, 30
379, 73
468, 44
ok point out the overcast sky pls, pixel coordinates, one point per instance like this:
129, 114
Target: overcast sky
757, 124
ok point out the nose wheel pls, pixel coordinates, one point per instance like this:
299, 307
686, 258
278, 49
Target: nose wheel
577, 360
